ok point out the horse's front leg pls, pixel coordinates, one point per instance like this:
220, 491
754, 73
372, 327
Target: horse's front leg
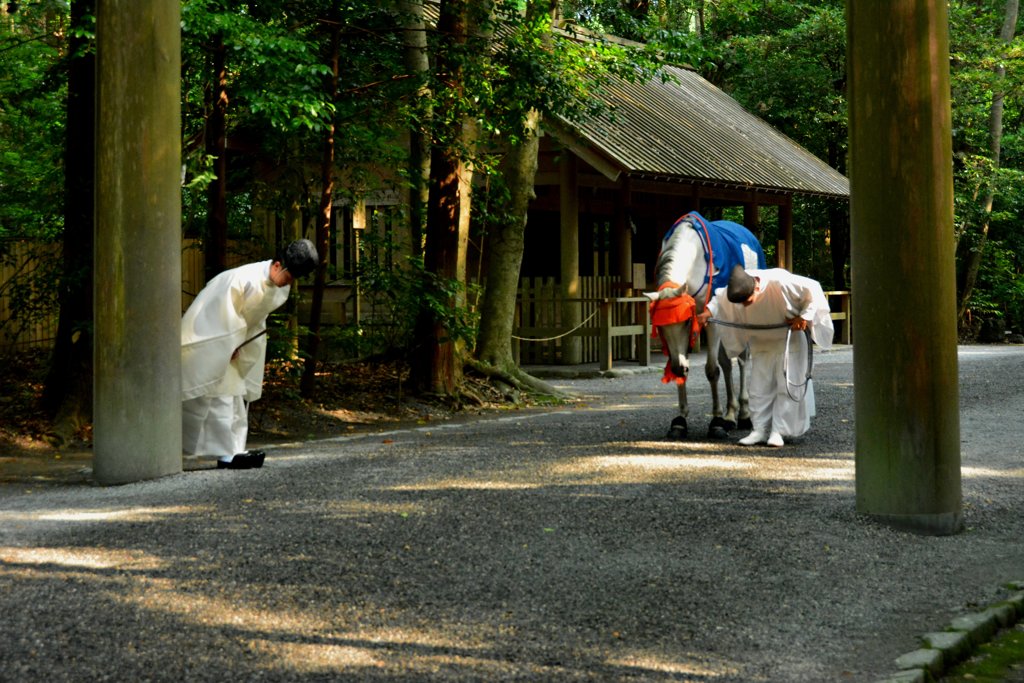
678, 429
717, 429
677, 341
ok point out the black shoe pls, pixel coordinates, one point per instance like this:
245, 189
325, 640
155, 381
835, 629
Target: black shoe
256, 458
249, 460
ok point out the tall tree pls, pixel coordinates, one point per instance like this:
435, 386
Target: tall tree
323, 220
417, 62
67, 395
463, 33
215, 241
974, 250
507, 231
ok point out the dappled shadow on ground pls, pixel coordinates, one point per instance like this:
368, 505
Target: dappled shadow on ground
351, 398
576, 544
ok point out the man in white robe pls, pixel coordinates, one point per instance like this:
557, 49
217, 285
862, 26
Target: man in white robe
223, 350
765, 308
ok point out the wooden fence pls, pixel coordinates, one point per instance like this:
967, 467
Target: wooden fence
21, 328
613, 327
610, 323
541, 327
25, 320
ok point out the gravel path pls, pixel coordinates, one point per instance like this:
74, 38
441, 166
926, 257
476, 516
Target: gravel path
575, 544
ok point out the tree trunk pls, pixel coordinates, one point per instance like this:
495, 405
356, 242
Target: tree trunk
974, 250
67, 396
838, 217
507, 238
216, 243
215, 251
505, 253
418, 64
437, 365
307, 385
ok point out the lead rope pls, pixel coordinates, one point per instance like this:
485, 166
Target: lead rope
810, 365
785, 359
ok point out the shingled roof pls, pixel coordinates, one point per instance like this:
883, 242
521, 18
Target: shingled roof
687, 130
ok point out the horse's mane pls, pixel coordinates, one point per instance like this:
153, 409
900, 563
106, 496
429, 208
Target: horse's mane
681, 252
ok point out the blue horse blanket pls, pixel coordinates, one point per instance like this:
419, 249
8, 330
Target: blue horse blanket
731, 244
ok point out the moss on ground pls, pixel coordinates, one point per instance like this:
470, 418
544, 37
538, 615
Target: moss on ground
997, 661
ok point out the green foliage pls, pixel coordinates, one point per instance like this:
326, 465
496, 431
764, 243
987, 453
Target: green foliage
32, 94
1000, 290
392, 299
782, 59
795, 79
275, 73
976, 51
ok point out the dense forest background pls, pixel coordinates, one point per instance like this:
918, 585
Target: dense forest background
308, 99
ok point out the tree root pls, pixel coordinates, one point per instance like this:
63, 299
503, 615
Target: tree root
510, 380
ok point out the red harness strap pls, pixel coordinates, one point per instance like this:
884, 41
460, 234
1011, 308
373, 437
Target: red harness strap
677, 309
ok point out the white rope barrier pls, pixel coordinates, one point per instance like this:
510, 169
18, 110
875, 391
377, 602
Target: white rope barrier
566, 334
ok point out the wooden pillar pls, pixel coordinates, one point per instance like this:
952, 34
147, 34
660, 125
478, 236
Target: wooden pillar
752, 218
137, 380
359, 222
784, 256
623, 235
905, 353
572, 347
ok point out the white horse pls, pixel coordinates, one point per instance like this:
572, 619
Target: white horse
685, 269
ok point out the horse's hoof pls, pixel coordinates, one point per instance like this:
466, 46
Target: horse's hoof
722, 423
678, 430
745, 423
717, 433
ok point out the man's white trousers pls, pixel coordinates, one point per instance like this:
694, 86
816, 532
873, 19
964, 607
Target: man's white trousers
772, 408
214, 425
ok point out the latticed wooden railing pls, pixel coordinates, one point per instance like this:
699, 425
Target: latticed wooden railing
609, 326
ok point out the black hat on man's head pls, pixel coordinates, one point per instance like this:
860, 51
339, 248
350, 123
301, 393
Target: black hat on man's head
741, 285
300, 258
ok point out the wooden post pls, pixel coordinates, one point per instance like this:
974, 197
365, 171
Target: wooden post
358, 229
752, 218
137, 381
786, 233
644, 347
572, 346
905, 355
604, 344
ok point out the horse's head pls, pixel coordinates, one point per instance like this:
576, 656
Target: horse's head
673, 318
682, 258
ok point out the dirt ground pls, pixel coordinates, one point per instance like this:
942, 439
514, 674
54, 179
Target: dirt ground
351, 398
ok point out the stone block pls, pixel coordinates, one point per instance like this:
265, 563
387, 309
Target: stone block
979, 626
1017, 602
1004, 613
955, 644
925, 658
907, 676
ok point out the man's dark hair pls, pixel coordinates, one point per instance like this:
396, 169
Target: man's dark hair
741, 285
300, 258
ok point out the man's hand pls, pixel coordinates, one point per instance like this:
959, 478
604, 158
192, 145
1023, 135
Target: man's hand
797, 324
703, 317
